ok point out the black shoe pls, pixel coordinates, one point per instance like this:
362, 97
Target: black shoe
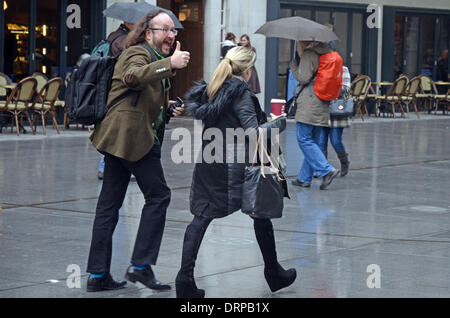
279, 278
326, 181
100, 175
186, 288
301, 184
146, 277
106, 282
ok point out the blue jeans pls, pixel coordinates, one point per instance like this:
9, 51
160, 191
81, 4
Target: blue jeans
335, 135
101, 166
308, 137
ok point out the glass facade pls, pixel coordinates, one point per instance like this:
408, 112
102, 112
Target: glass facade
43, 36
421, 45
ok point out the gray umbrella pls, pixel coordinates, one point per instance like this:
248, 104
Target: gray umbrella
297, 28
132, 12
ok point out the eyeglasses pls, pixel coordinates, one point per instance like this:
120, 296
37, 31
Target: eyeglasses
174, 31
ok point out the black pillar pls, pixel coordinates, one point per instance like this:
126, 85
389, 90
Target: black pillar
2, 37
32, 38
62, 42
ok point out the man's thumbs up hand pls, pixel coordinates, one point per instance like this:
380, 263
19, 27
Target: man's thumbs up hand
180, 59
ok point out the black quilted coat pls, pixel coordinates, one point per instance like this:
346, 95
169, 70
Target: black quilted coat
217, 187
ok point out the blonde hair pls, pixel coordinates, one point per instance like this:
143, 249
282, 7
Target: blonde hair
238, 60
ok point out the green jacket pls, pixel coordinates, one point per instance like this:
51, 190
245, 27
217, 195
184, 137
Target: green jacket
126, 131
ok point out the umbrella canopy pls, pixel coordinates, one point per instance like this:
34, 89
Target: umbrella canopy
132, 12
298, 29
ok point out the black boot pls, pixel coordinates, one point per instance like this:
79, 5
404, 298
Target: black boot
345, 163
275, 275
184, 282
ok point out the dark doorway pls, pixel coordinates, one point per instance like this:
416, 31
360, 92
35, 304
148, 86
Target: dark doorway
191, 15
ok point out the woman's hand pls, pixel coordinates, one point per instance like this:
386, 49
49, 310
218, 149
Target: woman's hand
274, 117
178, 111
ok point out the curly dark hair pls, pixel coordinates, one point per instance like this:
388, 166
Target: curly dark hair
137, 36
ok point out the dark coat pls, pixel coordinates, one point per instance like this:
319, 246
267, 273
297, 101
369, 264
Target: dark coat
216, 189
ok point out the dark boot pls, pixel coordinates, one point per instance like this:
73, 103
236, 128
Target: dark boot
275, 275
345, 164
184, 282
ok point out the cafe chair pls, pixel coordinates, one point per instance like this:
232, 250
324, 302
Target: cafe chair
427, 93
393, 97
4, 80
358, 91
445, 100
19, 101
41, 80
410, 94
44, 103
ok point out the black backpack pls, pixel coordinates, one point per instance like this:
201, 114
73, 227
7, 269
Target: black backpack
88, 90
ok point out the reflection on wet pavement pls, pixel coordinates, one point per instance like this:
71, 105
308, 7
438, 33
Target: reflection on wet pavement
392, 210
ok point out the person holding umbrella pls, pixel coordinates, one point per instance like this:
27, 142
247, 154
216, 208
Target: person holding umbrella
130, 136
312, 112
312, 116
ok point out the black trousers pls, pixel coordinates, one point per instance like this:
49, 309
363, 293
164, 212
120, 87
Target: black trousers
150, 179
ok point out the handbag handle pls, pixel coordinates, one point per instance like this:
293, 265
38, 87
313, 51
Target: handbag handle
261, 150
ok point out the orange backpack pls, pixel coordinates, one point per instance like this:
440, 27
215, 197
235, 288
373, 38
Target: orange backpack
328, 83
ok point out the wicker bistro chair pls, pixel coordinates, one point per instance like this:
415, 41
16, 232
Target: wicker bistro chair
394, 95
359, 90
19, 101
410, 94
41, 80
4, 80
427, 93
445, 99
44, 103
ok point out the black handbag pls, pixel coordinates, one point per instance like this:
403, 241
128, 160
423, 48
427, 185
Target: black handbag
342, 108
291, 104
263, 191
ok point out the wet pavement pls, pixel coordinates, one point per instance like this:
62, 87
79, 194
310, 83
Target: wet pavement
390, 216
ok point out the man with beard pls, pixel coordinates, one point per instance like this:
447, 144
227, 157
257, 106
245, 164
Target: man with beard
130, 137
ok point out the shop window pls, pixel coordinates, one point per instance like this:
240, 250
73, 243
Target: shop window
357, 43
427, 58
17, 17
398, 46
47, 61
443, 45
323, 17
341, 30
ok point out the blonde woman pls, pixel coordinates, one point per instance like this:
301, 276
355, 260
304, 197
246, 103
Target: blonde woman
226, 102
